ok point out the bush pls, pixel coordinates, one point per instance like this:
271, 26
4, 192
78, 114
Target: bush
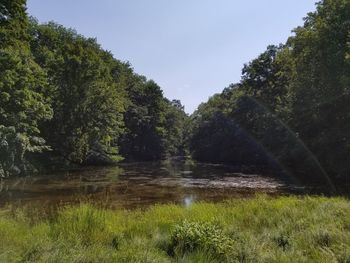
191, 236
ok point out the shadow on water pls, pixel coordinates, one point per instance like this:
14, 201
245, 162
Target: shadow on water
138, 185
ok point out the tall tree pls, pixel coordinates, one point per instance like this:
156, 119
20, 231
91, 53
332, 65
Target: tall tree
87, 98
22, 83
174, 141
320, 85
144, 120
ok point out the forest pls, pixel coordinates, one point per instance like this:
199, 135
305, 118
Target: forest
67, 102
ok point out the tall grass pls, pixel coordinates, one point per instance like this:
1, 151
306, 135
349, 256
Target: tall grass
262, 229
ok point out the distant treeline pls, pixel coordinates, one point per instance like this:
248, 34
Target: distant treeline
64, 100
291, 107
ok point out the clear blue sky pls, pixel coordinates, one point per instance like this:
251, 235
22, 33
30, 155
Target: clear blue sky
191, 48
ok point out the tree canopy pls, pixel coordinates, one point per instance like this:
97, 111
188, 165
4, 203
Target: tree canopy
293, 101
63, 94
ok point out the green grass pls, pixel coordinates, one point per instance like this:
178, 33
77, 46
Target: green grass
262, 229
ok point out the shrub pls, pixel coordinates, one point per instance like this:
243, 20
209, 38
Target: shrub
191, 236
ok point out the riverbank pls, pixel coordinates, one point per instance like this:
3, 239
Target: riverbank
262, 229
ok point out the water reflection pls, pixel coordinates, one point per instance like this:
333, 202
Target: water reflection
141, 184
188, 200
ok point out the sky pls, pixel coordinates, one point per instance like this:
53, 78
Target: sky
191, 48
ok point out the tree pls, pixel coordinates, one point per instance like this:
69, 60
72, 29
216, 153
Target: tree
174, 141
144, 120
22, 81
86, 95
13, 23
319, 90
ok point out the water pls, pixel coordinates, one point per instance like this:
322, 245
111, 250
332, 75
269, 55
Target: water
138, 185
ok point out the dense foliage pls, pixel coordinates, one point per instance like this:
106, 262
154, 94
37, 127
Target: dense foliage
291, 106
63, 94
23, 82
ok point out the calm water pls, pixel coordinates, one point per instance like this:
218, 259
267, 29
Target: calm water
137, 185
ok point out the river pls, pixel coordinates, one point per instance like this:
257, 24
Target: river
139, 185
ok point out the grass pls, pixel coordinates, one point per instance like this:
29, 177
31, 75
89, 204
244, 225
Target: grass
262, 229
